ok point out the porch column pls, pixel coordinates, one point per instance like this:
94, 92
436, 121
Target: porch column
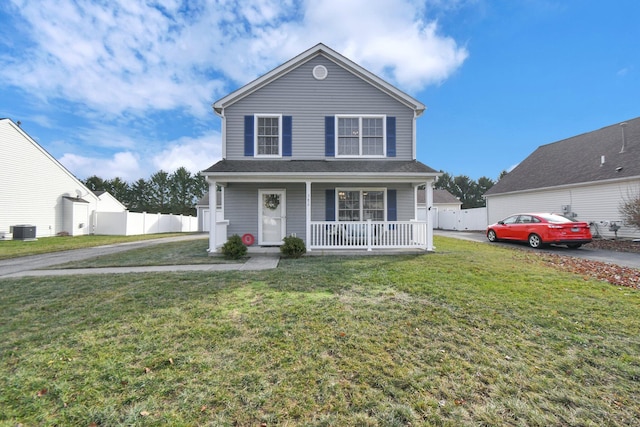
213, 203
308, 215
429, 204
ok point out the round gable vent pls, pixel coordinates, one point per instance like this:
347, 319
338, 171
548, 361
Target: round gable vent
320, 72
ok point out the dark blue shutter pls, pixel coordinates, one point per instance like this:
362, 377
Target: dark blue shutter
287, 130
330, 205
392, 210
330, 136
391, 137
248, 136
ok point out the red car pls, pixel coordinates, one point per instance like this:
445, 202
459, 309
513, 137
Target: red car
539, 229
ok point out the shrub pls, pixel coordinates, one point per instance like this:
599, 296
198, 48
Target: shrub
293, 247
234, 248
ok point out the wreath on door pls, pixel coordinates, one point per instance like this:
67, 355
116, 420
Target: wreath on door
271, 201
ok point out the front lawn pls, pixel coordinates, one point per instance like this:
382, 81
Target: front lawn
173, 253
472, 335
18, 248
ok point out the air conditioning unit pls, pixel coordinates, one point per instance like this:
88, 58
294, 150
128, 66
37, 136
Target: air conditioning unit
24, 232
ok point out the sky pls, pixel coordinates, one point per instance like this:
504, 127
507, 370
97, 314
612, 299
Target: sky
124, 88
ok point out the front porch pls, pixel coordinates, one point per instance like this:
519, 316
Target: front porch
367, 235
339, 210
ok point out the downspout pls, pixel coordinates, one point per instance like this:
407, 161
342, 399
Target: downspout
415, 133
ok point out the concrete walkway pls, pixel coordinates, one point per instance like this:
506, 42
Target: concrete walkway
35, 265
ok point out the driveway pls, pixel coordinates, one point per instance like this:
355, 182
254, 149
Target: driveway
625, 259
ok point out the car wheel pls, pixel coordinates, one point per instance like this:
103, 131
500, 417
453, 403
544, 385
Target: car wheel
491, 235
574, 245
535, 241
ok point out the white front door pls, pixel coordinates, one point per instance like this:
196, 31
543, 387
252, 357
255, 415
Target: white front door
272, 213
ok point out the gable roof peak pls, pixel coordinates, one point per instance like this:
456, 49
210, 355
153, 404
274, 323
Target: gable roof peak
307, 55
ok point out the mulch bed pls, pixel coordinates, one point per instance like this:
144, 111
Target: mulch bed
612, 273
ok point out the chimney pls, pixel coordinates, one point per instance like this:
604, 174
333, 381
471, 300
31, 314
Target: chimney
623, 125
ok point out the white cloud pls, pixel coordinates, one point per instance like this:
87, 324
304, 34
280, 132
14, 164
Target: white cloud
129, 56
195, 154
124, 164
119, 71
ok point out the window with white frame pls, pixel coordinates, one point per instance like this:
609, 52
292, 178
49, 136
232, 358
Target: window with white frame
360, 136
268, 135
361, 205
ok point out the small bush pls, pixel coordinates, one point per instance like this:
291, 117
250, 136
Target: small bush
234, 248
293, 247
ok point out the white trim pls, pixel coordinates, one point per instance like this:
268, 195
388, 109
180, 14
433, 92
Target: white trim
256, 118
359, 189
308, 213
360, 117
212, 216
283, 207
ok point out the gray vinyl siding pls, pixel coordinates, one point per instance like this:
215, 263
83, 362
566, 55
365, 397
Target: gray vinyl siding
241, 207
404, 203
308, 101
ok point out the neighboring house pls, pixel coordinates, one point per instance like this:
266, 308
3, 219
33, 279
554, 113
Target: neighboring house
586, 177
108, 203
322, 149
443, 201
202, 211
38, 191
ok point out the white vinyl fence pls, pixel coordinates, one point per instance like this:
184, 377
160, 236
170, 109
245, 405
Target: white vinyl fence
464, 219
132, 223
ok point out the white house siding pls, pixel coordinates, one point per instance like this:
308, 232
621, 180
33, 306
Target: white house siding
598, 203
308, 101
33, 184
108, 203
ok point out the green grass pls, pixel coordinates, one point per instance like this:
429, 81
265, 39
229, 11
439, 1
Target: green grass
473, 335
18, 248
174, 253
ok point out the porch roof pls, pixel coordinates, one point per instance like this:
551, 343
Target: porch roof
407, 168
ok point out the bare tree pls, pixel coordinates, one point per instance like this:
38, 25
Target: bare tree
630, 210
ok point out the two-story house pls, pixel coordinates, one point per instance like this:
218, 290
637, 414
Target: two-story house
322, 149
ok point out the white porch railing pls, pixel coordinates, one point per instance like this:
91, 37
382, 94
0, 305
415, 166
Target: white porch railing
368, 235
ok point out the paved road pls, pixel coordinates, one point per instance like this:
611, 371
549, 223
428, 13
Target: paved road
34, 265
625, 259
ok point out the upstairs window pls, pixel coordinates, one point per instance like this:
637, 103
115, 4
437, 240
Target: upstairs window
268, 133
360, 136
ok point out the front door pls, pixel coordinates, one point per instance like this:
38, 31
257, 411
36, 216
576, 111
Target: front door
272, 212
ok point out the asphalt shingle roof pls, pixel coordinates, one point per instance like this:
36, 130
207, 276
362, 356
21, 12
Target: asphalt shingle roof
578, 160
345, 167
439, 196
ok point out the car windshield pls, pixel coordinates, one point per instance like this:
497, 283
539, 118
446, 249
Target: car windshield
555, 218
